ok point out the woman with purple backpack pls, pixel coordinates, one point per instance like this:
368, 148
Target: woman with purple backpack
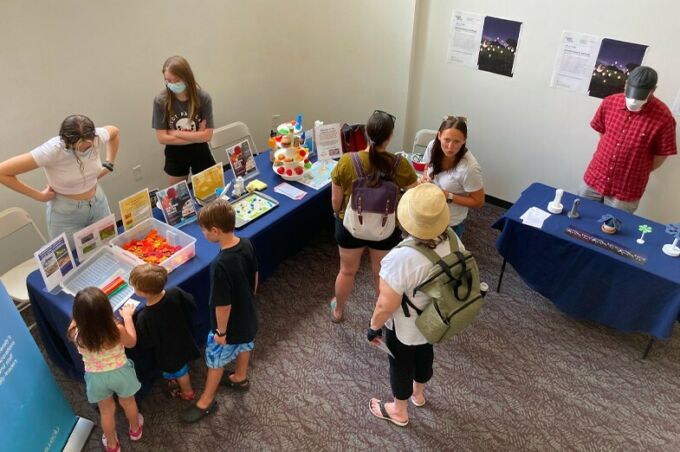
373, 170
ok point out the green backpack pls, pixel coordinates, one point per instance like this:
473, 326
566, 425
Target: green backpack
453, 286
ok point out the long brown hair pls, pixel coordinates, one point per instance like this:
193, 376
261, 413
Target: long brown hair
179, 67
93, 317
437, 155
379, 128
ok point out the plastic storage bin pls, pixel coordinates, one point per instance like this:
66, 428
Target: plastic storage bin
174, 236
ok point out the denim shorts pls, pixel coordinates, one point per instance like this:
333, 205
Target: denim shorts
102, 385
69, 216
177, 374
217, 356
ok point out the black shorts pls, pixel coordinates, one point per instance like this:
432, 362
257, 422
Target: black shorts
179, 160
345, 239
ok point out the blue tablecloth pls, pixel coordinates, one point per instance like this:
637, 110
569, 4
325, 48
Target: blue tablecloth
277, 235
589, 282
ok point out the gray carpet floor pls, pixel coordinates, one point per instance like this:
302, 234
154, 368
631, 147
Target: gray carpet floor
524, 377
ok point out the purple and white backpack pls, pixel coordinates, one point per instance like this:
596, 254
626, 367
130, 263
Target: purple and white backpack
371, 211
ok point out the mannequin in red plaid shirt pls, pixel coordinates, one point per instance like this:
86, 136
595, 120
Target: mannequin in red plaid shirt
637, 133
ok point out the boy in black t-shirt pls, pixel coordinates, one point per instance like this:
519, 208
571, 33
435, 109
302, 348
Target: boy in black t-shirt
233, 283
165, 325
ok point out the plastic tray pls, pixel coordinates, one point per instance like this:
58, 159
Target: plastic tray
174, 236
104, 265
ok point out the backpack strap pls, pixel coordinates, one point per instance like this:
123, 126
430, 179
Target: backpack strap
465, 272
406, 303
356, 161
395, 166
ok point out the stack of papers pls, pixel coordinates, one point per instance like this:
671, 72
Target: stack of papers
534, 217
288, 190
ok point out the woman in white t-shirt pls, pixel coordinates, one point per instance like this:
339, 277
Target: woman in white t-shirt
423, 214
73, 167
453, 168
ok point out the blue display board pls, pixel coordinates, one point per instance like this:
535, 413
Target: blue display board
35, 414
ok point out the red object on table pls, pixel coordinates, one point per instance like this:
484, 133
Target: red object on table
153, 248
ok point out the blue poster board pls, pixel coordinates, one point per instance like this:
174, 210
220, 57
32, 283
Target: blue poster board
36, 416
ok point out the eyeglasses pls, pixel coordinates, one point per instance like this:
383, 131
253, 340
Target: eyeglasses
394, 118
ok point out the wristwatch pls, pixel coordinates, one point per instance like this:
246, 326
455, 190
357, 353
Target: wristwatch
218, 334
372, 334
449, 197
108, 165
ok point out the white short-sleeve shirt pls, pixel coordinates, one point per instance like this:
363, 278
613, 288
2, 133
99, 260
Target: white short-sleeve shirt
465, 178
62, 168
403, 269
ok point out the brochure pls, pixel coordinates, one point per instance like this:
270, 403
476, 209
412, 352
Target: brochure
176, 203
55, 261
135, 209
89, 239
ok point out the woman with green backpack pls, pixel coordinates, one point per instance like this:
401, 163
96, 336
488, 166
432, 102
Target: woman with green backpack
424, 215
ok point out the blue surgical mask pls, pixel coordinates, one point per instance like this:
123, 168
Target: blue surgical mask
177, 88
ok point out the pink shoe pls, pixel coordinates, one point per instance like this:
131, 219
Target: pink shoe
136, 436
106, 445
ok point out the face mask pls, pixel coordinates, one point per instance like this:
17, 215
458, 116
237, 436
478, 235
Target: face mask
634, 104
177, 88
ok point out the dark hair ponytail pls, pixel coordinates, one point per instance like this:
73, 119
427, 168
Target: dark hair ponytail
437, 154
379, 129
73, 129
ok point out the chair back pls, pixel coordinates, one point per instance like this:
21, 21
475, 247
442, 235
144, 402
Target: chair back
422, 139
14, 219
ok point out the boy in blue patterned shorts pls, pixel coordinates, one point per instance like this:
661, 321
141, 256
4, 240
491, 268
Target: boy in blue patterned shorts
233, 283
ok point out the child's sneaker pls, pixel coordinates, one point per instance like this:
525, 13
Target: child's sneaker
105, 443
136, 436
187, 395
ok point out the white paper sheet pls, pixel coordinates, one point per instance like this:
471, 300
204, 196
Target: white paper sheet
575, 61
328, 141
55, 261
93, 237
465, 37
534, 217
286, 189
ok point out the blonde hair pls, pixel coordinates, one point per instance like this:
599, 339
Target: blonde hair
179, 67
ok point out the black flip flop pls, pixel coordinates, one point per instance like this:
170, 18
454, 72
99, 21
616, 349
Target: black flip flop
242, 385
195, 414
384, 415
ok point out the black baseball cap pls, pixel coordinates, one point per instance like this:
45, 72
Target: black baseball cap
641, 81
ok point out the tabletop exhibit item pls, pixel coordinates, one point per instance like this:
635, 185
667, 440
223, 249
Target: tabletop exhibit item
555, 206
291, 157
673, 249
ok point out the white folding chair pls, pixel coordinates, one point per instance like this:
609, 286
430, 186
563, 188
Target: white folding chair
13, 220
423, 138
230, 135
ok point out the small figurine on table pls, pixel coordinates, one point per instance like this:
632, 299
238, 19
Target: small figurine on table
610, 224
673, 249
645, 230
239, 187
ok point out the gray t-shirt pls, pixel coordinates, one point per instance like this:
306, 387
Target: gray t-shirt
179, 120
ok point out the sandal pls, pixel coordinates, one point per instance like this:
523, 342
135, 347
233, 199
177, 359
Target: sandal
136, 436
383, 413
335, 319
413, 401
195, 414
242, 385
105, 443
187, 396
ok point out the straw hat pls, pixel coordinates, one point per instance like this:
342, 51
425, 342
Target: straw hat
423, 212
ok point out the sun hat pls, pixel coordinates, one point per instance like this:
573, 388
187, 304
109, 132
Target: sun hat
641, 81
423, 212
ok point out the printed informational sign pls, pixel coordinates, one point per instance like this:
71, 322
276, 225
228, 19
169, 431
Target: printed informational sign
135, 209
207, 182
93, 237
328, 141
242, 160
55, 261
36, 414
176, 203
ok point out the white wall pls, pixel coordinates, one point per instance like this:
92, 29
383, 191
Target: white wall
520, 129
330, 60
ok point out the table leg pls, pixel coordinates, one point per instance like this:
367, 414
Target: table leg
500, 277
649, 347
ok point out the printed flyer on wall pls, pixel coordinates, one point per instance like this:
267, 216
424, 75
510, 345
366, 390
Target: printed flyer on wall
89, 239
55, 261
176, 203
207, 182
135, 209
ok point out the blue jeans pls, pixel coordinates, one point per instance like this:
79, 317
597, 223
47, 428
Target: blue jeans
69, 216
459, 229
